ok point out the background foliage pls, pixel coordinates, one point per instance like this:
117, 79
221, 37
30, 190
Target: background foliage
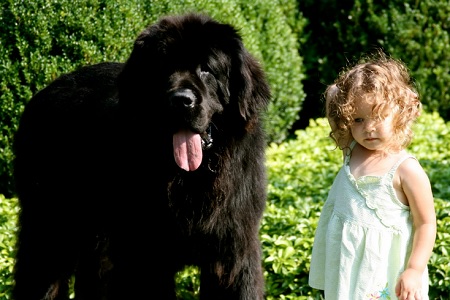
416, 32
301, 172
302, 45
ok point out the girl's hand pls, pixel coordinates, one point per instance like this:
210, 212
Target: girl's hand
409, 285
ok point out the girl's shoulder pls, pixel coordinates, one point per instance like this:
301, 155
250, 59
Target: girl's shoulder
410, 172
409, 165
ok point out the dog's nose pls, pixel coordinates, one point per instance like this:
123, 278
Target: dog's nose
183, 98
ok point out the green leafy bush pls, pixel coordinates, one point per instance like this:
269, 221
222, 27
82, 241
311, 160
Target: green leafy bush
9, 210
416, 32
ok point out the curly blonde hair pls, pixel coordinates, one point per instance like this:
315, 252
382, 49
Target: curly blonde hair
381, 80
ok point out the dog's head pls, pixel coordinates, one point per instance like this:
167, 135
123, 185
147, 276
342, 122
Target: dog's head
196, 74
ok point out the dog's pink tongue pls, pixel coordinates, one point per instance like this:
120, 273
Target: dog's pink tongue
187, 150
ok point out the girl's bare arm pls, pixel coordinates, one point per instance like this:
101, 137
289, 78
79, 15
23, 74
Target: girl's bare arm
417, 188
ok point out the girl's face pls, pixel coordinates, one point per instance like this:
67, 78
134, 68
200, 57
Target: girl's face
371, 132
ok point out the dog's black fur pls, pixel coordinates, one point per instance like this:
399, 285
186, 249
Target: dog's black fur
104, 198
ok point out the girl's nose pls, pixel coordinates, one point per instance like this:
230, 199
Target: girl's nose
370, 125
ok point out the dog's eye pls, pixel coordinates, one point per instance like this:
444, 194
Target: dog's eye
204, 73
204, 69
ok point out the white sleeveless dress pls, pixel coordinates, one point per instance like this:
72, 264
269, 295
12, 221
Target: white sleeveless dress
363, 239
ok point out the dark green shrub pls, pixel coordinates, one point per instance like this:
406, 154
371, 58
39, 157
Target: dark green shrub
416, 32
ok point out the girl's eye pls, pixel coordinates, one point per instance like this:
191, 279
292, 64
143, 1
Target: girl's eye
358, 120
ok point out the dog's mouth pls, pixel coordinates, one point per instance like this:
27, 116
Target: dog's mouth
207, 140
188, 148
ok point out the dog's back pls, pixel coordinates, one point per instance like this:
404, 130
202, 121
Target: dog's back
64, 167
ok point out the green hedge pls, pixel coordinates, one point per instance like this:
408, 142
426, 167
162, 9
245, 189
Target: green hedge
301, 172
9, 210
418, 32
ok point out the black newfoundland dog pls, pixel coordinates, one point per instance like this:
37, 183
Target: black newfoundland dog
126, 173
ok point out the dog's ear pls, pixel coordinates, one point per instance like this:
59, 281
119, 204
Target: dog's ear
252, 88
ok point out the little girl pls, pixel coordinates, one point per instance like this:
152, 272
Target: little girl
378, 226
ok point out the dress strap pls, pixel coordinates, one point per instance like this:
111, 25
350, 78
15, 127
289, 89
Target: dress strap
348, 151
394, 168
